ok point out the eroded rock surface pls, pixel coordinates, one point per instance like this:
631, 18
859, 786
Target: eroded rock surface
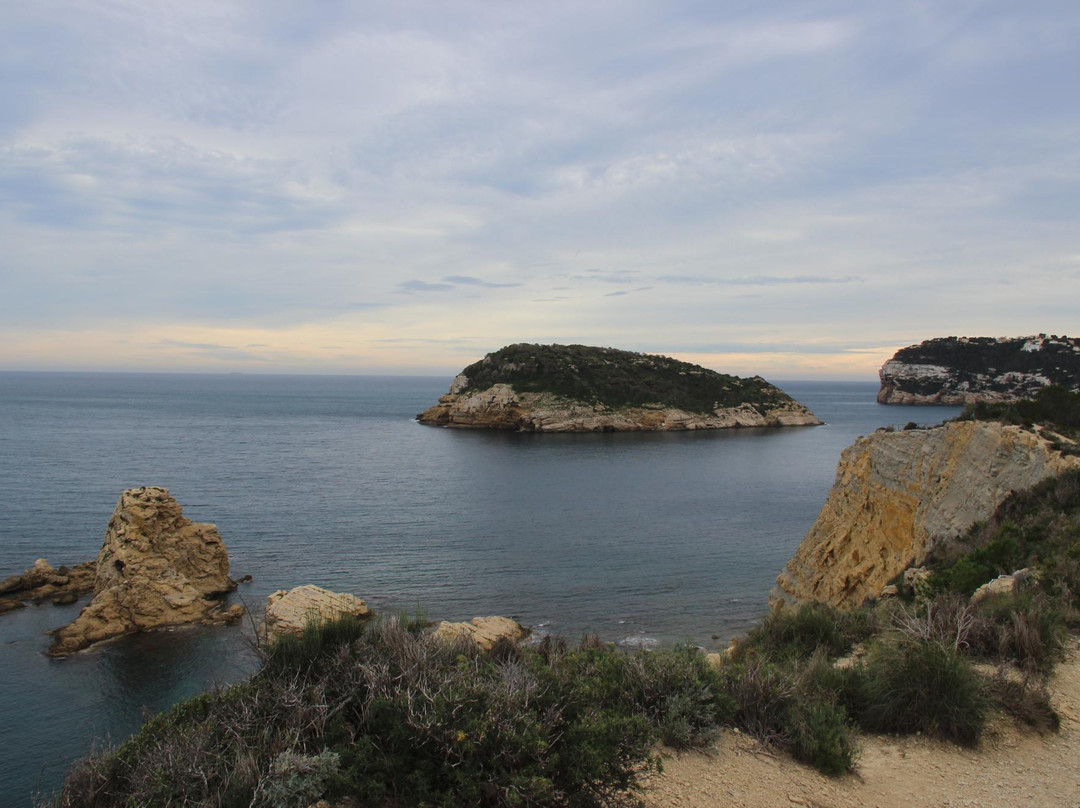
156, 568
501, 407
43, 582
897, 495
288, 612
484, 631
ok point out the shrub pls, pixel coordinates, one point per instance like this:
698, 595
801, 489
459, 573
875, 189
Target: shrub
1027, 629
1026, 701
911, 684
800, 632
391, 715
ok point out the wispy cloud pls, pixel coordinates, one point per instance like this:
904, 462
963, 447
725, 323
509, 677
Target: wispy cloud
352, 174
424, 286
468, 280
760, 280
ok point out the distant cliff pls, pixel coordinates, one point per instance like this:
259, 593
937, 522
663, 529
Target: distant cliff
575, 388
898, 495
963, 370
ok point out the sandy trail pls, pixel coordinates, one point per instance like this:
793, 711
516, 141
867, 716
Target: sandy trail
1012, 768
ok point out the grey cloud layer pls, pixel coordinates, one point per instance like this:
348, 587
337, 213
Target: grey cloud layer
278, 164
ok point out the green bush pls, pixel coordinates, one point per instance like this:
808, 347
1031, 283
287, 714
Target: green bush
390, 715
811, 627
910, 684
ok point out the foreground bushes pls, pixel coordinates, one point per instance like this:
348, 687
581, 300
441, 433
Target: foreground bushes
387, 714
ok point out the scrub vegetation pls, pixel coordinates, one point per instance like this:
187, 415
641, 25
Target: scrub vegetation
615, 378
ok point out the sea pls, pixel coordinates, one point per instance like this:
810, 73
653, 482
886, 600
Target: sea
645, 540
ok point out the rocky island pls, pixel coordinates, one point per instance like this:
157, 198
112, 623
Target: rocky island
964, 370
576, 388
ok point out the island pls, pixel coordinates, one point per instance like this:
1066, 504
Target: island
577, 388
965, 370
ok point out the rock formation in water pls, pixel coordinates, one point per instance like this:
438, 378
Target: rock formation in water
963, 370
42, 582
574, 388
484, 631
898, 495
156, 568
289, 612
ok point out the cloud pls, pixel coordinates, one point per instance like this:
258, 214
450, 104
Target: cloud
623, 292
394, 171
468, 280
424, 286
760, 280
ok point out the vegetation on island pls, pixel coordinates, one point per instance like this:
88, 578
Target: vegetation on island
615, 378
984, 363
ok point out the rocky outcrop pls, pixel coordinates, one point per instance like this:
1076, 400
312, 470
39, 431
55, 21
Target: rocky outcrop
156, 569
963, 370
288, 612
500, 407
42, 582
574, 388
899, 495
483, 631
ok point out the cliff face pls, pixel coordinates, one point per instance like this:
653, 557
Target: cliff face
156, 568
962, 370
898, 494
574, 388
501, 407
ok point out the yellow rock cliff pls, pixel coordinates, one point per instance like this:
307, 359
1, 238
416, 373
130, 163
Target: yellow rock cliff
897, 495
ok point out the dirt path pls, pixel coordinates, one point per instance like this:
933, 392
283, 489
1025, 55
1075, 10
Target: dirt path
1011, 769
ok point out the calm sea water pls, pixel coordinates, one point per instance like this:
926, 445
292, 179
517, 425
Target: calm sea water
643, 539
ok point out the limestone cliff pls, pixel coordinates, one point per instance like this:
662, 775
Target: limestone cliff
156, 568
963, 370
574, 388
897, 495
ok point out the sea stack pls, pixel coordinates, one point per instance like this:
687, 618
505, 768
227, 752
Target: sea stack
576, 388
156, 568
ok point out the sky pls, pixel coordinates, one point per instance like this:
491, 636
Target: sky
790, 189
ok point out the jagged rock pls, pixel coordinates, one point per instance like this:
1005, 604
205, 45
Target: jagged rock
1005, 584
156, 568
42, 582
484, 631
890, 591
963, 370
575, 388
898, 495
288, 612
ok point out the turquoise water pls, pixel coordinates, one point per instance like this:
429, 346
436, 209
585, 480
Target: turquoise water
643, 539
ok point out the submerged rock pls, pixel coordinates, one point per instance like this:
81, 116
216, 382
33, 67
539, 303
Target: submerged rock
484, 631
576, 388
156, 568
899, 495
288, 612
